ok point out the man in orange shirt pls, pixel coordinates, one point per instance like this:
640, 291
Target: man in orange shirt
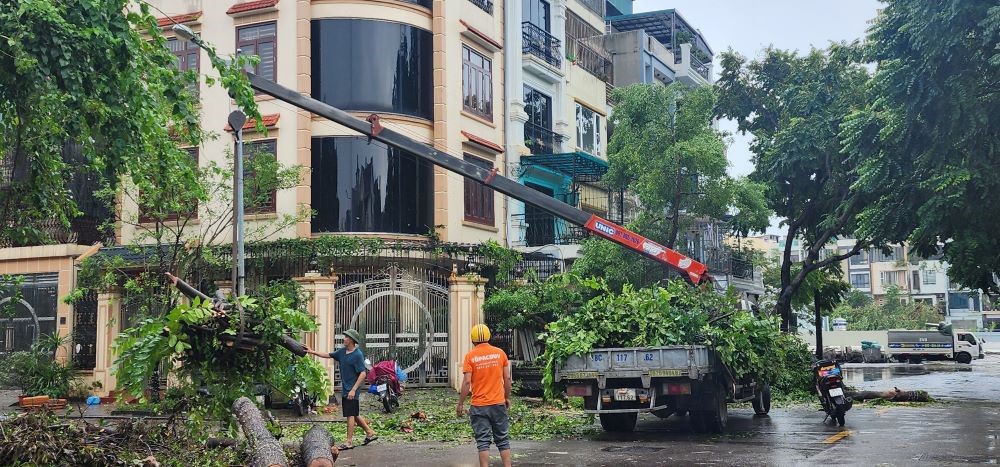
486, 374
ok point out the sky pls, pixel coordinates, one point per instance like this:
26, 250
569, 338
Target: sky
750, 26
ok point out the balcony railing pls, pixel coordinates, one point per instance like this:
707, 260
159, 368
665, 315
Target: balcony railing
538, 42
541, 140
545, 229
591, 60
485, 5
700, 67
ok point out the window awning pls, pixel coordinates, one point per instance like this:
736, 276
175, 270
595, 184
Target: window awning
582, 167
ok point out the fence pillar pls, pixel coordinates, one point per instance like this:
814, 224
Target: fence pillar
322, 293
466, 295
108, 317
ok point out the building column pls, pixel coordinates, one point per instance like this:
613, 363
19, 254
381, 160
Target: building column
322, 293
108, 307
466, 294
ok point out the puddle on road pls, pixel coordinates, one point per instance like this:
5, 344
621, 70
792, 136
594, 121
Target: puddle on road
860, 375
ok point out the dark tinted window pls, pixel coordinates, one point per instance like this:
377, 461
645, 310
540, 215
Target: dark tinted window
260, 40
375, 66
361, 187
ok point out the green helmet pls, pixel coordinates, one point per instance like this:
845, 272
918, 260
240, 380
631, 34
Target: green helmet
354, 335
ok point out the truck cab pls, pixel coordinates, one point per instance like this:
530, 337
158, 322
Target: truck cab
970, 343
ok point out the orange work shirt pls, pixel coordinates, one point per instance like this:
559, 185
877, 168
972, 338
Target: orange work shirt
486, 364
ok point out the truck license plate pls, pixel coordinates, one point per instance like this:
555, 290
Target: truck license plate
624, 394
834, 392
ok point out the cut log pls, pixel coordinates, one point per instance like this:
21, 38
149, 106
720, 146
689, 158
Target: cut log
317, 448
265, 451
892, 395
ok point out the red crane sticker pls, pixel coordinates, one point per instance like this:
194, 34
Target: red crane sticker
697, 272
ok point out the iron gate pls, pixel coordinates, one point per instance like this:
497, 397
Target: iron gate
28, 311
85, 332
402, 318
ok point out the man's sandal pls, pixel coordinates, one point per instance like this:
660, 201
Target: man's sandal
369, 439
345, 447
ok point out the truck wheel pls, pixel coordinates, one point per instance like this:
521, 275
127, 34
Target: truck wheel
618, 422
916, 360
964, 357
762, 401
717, 418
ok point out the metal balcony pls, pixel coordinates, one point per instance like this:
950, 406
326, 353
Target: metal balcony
541, 140
485, 5
538, 42
542, 229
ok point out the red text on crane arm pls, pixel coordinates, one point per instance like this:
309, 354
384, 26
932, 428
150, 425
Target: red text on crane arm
696, 271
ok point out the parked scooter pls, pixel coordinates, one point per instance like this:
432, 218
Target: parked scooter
385, 381
829, 383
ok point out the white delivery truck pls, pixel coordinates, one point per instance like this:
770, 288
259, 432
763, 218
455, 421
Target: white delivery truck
942, 343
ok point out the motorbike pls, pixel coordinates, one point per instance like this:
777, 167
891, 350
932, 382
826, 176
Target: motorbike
385, 382
829, 383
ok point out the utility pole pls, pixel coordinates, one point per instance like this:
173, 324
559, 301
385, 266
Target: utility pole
236, 120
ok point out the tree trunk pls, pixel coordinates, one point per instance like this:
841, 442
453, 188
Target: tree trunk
819, 328
265, 451
317, 448
893, 395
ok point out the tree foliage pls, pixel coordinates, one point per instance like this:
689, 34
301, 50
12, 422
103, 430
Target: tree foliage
794, 106
89, 88
891, 313
666, 153
931, 129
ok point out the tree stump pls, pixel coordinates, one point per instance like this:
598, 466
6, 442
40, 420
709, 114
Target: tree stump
265, 451
892, 395
317, 448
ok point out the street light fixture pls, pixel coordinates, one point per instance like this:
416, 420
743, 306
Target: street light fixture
236, 121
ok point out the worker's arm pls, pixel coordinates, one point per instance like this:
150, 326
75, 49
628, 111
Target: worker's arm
464, 393
507, 384
316, 353
361, 377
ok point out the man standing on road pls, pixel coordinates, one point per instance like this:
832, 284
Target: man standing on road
352, 374
486, 374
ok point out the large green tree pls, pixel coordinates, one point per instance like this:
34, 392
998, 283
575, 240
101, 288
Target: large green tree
666, 153
794, 106
95, 80
932, 131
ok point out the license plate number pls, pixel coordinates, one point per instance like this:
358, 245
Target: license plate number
834, 392
381, 387
625, 394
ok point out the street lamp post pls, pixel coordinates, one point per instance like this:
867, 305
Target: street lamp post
236, 121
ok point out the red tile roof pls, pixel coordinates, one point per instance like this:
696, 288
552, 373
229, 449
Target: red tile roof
250, 6
482, 35
482, 141
269, 121
178, 19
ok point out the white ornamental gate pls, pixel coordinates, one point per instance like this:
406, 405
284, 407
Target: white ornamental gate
402, 318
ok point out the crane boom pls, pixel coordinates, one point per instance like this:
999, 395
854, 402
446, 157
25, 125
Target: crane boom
691, 270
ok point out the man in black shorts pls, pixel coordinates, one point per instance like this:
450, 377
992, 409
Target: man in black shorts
352, 374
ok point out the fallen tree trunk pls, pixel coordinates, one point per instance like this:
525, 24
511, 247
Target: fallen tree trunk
265, 451
317, 448
893, 395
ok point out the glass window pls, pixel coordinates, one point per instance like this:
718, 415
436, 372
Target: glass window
477, 83
860, 281
361, 187
260, 168
860, 258
889, 278
260, 40
930, 277
536, 12
478, 196
588, 130
187, 58
373, 66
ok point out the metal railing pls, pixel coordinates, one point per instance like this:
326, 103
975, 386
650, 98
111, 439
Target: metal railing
541, 140
485, 5
538, 42
700, 67
545, 229
591, 60
742, 268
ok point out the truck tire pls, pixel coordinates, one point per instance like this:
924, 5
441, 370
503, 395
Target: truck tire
916, 360
717, 418
762, 400
963, 357
618, 422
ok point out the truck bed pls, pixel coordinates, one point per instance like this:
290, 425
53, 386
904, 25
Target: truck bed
693, 361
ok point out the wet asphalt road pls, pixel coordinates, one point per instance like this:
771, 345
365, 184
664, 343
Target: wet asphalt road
962, 430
